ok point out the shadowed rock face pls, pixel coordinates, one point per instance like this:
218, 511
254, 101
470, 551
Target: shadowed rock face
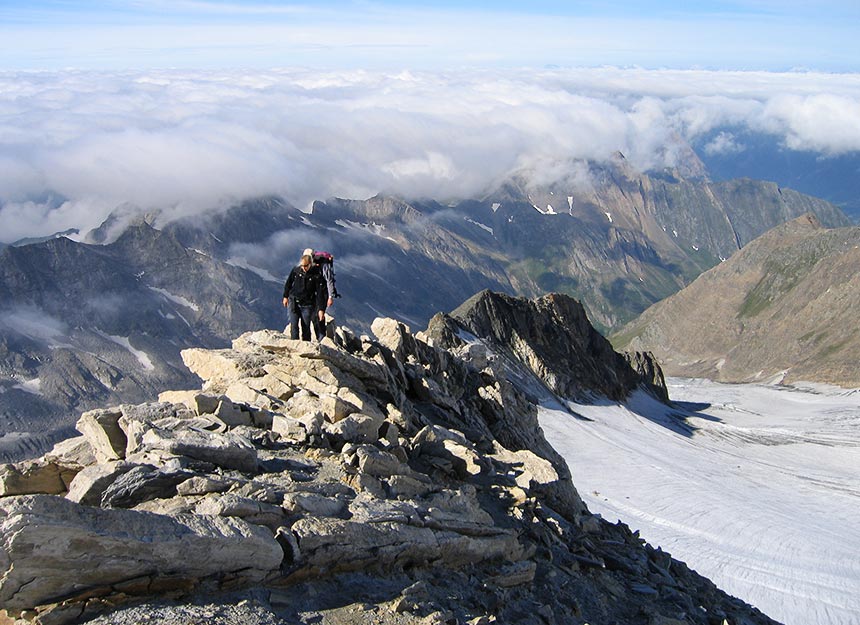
553, 338
784, 308
317, 475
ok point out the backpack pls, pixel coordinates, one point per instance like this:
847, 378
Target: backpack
325, 261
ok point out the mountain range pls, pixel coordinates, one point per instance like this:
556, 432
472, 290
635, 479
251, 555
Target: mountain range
783, 309
103, 317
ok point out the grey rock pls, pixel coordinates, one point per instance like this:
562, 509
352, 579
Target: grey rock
101, 429
109, 546
88, 486
140, 484
231, 505
289, 429
313, 504
224, 450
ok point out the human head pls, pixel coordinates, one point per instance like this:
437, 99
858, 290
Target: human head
306, 261
308, 252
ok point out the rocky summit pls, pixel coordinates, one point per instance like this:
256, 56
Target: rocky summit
358, 480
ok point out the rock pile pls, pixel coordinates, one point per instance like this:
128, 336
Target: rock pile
297, 466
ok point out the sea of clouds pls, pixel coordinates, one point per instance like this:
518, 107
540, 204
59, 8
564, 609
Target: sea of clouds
75, 145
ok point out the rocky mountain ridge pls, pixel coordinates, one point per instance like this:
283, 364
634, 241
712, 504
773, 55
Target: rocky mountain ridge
88, 323
357, 479
782, 309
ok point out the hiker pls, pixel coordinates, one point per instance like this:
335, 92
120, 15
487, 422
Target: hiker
300, 296
327, 291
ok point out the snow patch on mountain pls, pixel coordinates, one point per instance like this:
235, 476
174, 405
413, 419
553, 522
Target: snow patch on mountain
176, 299
242, 263
480, 225
124, 342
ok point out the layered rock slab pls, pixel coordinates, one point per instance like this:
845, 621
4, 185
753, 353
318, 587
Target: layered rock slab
53, 548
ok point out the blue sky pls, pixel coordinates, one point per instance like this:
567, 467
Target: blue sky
144, 34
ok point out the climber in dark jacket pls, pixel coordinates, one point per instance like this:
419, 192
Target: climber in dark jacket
300, 296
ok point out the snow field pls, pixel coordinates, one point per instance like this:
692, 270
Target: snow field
755, 487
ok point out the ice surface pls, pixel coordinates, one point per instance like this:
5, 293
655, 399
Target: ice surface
756, 487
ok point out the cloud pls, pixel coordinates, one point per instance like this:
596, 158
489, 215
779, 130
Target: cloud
75, 145
33, 323
724, 143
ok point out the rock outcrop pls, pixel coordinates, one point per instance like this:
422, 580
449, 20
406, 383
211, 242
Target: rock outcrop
551, 337
411, 483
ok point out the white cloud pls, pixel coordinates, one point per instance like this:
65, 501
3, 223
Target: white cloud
74, 145
724, 143
33, 322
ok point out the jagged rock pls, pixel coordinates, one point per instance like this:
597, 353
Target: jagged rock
40, 535
515, 574
332, 545
231, 414
531, 469
441, 464
551, 336
102, 431
356, 428
185, 398
206, 404
374, 461
140, 484
450, 446
303, 403
646, 365
218, 367
409, 487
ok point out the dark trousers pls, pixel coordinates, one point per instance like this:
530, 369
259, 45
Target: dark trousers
319, 324
303, 315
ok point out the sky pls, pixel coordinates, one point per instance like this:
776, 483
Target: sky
120, 34
190, 105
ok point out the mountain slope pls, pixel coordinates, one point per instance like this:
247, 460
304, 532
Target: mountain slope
784, 307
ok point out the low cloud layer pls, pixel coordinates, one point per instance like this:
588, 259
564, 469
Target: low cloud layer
75, 145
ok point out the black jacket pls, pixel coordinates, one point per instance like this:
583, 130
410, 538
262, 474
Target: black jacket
304, 286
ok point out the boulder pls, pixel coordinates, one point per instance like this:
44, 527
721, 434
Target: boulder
224, 450
142, 483
356, 428
289, 429
101, 429
72, 452
232, 414
35, 476
531, 470
43, 539
200, 485
88, 486
313, 504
